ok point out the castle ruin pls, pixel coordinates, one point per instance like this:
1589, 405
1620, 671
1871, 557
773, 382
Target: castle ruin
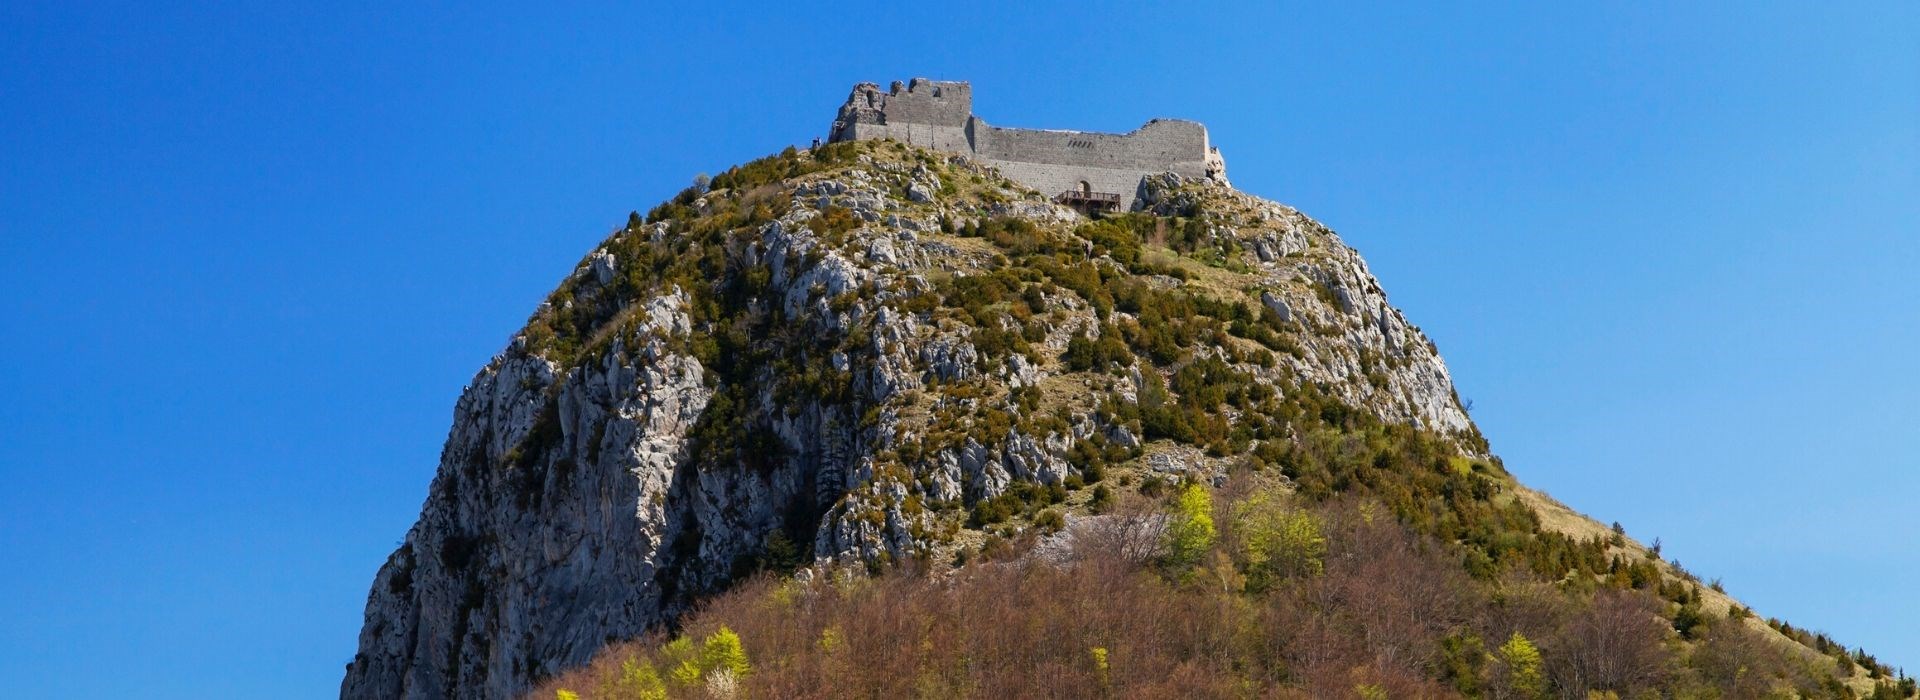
1087, 170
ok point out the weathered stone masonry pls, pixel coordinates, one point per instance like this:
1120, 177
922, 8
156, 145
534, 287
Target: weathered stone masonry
939, 115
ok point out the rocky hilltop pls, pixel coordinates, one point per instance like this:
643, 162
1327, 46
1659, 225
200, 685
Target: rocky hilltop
868, 353
830, 357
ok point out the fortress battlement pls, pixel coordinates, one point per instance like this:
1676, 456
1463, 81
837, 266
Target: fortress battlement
1080, 167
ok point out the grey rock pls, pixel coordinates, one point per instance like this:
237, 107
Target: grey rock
604, 267
1278, 305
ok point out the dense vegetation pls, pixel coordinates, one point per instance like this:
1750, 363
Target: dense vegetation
1252, 595
1344, 557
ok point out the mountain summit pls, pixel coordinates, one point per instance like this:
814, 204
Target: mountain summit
932, 338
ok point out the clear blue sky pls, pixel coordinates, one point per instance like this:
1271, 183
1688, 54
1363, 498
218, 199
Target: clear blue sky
248, 258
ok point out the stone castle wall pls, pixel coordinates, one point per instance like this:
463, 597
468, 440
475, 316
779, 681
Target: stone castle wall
939, 115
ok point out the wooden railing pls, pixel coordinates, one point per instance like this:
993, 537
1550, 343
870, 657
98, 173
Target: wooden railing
1077, 197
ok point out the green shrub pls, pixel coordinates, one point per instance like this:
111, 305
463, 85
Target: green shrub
1102, 500
1050, 520
1689, 620
1087, 354
1119, 236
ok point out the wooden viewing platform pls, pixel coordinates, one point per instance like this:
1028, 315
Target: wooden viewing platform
1089, 201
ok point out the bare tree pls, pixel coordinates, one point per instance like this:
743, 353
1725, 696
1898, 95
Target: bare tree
1135, 533
1617, 644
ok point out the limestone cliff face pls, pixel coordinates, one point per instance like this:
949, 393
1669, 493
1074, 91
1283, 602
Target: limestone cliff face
800, 369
